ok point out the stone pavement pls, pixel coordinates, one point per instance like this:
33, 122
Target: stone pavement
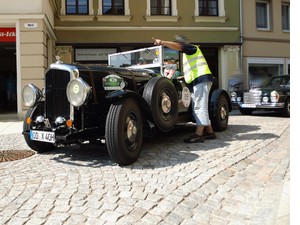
241, 178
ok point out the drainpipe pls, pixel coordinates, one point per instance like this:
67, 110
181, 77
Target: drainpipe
241, 40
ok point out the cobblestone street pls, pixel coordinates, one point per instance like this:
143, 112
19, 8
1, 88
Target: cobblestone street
237, 179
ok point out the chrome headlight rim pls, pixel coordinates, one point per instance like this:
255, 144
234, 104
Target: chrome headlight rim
78, 92
31, 95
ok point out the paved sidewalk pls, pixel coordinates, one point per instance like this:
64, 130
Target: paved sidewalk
242, 178
11, 127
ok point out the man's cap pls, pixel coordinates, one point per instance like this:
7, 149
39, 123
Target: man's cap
180, 39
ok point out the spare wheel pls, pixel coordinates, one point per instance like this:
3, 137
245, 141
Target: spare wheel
161, 96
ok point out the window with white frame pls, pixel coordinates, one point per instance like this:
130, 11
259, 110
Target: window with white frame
207, 11
208, 7
77, 7
161, 7
263, 15
285, 13
113, 7
73, 8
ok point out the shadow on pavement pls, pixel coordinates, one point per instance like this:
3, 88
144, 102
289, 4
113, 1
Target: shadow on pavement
164, 150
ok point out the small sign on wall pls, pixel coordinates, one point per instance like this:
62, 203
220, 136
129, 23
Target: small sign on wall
93, 54
31, 25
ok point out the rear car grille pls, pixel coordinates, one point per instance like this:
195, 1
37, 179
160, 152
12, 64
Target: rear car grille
56, 103
252, 97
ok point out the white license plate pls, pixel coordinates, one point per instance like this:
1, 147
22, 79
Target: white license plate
248, 106
43, 136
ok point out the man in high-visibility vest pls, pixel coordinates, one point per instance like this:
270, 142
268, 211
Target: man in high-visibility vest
199, 79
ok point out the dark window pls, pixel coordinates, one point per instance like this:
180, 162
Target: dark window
262, 15
285, 8
77, 7
161, 7
208, 7
113, 7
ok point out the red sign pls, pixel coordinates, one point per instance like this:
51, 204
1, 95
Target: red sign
7, 34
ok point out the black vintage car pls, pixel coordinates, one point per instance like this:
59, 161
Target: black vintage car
115, 105
275, 96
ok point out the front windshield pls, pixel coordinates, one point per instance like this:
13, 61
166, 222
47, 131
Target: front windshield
279, 82
141, 58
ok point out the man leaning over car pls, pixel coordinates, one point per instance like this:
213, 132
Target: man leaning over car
199, 79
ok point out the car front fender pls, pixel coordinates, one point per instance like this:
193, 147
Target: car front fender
116, 95
213, 100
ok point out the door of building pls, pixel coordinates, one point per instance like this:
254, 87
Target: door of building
8, 71
211, 56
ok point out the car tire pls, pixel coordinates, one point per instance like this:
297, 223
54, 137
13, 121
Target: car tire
124, 131
245, 111
40, 147
220, 121
161, 96
286, 109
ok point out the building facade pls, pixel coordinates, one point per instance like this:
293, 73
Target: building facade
86, 31
266, 40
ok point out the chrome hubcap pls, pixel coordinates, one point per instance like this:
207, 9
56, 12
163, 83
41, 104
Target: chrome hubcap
131, 129
223, 113
166, 103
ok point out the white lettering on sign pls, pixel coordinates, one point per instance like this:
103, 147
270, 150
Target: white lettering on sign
8, 34
31, 25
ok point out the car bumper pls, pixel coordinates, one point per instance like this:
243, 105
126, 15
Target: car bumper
263, 105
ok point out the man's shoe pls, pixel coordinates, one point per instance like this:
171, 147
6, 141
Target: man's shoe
194, 139
210, 136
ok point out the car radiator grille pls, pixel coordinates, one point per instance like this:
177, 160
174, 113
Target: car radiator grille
56, 101
252, 97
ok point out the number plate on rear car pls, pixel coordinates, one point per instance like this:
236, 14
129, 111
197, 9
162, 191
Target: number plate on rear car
248, 106
43, 136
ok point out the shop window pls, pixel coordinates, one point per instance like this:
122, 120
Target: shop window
263, 15
208, 7
161, 7
113, 7
77, 7
285, 11
260, 74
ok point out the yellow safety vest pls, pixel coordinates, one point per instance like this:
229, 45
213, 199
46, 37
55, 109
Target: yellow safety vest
194, 66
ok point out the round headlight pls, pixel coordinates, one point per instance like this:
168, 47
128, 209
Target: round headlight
78, 92
274, 96
31, 95
233, 96
265, 99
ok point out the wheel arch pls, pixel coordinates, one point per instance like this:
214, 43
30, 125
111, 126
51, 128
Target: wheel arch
30, 112
213, 100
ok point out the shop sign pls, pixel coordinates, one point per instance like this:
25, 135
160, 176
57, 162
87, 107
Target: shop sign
7, 34
93, 54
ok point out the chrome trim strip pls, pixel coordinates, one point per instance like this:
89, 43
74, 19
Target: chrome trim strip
74, 73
